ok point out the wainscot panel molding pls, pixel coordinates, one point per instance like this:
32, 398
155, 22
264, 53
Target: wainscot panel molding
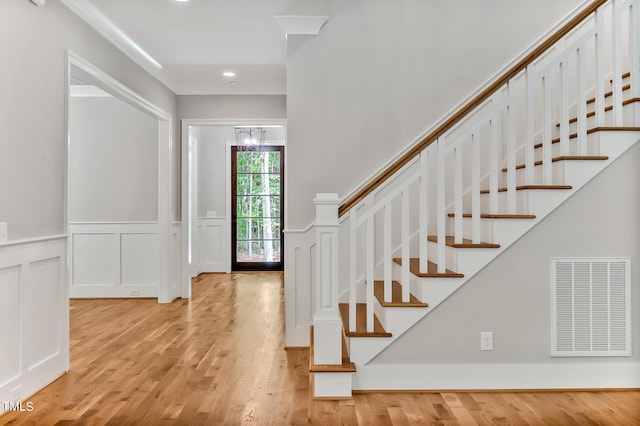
214, 245
34, 313
299, 284
117, 259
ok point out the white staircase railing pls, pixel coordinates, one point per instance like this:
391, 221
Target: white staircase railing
542, 112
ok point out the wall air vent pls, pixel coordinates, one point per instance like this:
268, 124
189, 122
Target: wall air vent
590, 307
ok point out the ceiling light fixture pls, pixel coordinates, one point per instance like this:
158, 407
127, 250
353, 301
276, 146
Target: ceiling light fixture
229, 74
250, 138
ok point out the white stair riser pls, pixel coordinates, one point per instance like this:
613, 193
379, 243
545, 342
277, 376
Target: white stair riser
496, 230
336, 385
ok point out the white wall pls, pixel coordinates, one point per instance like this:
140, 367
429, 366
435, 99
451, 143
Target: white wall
32, 107
113, 162
232, 106
380, 73
511, 296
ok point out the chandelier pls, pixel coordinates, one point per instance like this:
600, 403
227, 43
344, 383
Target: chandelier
250, 138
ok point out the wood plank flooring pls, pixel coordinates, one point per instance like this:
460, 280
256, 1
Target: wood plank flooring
219, 359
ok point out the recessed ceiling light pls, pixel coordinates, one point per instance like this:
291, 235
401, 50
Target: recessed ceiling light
229, 74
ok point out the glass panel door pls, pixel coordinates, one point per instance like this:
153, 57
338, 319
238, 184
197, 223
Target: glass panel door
257, 190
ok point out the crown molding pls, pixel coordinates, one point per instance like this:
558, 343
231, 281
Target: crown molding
301, 24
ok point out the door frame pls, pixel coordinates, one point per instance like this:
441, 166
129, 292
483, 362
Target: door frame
189, 216
166, 292
260, 266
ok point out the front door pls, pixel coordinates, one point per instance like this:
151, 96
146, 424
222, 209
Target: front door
257, 189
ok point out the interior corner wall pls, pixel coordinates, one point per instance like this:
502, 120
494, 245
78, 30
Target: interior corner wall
381, 72
232, 107
113, 162
33, 49
511, 296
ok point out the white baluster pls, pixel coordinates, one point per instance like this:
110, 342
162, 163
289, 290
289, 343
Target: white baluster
424, 209
495, 157
617, 64
370, 272
457, 194
600, 77
441, 205
406, 280
475, 189
531, 126
353, 260
635, 53
564, 108
547, 145
582, 102
387, 252
511, 150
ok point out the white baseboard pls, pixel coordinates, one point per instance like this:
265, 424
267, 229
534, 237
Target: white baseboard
556, 375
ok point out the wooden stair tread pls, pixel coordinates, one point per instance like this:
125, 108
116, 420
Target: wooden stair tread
432, 271
450, 241
346, 367
594, 130
564, 158
498, 216
396, 296
525, 187
609, 93
361, 322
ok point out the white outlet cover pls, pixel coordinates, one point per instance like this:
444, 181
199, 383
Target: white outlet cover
486, 340
3, 231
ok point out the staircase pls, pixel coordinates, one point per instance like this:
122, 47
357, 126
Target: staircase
476, 184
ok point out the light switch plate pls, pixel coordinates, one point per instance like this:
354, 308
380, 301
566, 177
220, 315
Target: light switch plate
486, 340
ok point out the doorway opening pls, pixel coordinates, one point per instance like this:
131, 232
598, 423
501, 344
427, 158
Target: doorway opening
257, 186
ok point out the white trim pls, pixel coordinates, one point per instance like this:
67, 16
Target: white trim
557, 375
165, 164
188, 212
301, 25
109, 30
118, 89
33, 240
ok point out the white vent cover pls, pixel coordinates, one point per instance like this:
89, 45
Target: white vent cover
590, 307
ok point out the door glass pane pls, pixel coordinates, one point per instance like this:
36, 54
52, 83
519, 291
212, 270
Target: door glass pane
258, 209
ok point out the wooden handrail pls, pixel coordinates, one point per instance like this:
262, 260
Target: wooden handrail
469, 106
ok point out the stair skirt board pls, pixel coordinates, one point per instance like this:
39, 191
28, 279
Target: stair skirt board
494, 376
434, 291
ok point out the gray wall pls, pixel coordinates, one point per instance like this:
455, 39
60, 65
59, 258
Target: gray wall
381, 72
511, 295
32, 108
113, 161
232, 106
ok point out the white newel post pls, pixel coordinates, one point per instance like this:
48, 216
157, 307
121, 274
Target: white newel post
327, 326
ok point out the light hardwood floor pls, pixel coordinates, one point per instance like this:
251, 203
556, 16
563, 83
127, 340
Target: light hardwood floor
219, 359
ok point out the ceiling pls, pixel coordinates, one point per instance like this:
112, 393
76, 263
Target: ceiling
188, 45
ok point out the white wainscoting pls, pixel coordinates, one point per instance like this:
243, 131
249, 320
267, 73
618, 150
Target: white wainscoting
175, 261
114, 260
299, 285
34, 314
214, 245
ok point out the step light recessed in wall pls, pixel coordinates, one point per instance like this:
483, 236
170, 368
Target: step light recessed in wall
229, 74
